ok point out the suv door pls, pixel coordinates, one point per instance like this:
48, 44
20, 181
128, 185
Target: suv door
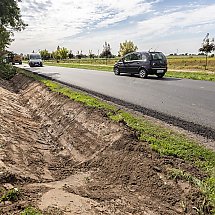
135, 63
125, 66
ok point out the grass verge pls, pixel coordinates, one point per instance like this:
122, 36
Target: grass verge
101, 67
192, 75
161, 139
109, 68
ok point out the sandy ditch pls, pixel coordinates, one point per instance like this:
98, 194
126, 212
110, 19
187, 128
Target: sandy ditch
66, 158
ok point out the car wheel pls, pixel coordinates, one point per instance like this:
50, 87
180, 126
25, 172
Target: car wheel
143, 73
116, 71
160, 75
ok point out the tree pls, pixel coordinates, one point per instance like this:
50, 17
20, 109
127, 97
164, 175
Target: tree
91, 55
10, 21
45, 54
70, 55
207, 47
60, 53
127, 47
106, 53
63, 53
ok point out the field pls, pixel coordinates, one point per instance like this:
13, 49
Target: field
193, 63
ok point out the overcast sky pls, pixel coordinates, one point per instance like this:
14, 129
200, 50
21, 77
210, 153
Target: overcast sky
171, 26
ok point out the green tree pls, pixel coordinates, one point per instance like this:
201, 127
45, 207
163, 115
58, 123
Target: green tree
207, 47
10, 21
56, 55
106, 53
60, 53
45, 54
63, 53
127, 47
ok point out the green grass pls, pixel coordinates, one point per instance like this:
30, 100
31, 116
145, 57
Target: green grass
30, 211
101, 67
109, 68
161, 139
207, 186
11, 195
192, 75
79, 97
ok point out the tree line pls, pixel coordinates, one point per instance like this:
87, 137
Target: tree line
64, 53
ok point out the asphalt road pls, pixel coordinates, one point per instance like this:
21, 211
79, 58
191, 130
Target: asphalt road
188, 100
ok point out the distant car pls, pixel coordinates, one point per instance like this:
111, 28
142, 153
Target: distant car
16, 59
35, 60
143, 64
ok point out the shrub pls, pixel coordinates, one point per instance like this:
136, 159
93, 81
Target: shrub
7, 71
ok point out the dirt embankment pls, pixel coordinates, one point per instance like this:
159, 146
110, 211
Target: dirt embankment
69, 159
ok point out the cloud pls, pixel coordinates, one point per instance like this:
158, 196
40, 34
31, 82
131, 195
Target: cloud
87, 24
70, 18
178, 21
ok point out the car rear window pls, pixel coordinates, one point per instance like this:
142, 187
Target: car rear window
158, 56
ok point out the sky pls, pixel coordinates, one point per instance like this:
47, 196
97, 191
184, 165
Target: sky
170, 26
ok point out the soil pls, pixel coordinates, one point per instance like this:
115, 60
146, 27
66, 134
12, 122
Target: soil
66, 158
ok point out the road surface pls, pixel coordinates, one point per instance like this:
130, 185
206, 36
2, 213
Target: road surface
189, 100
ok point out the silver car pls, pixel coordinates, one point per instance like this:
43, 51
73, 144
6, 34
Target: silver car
35, 60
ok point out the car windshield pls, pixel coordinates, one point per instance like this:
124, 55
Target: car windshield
36, 56
158, 56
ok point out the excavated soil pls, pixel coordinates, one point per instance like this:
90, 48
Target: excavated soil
66, 158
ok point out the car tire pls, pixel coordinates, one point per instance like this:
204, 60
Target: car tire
143, 73
116, 71
160, 75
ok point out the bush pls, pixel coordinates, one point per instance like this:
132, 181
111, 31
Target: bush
7, 71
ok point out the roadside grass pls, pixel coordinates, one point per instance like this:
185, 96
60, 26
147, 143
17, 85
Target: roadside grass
161, 139
192, 75
207, 187
30, 211
101, 67
203, 75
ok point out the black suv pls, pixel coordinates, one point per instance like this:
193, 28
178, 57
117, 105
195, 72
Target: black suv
142, 63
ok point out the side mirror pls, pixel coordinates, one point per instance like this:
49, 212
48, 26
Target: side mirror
123, 59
